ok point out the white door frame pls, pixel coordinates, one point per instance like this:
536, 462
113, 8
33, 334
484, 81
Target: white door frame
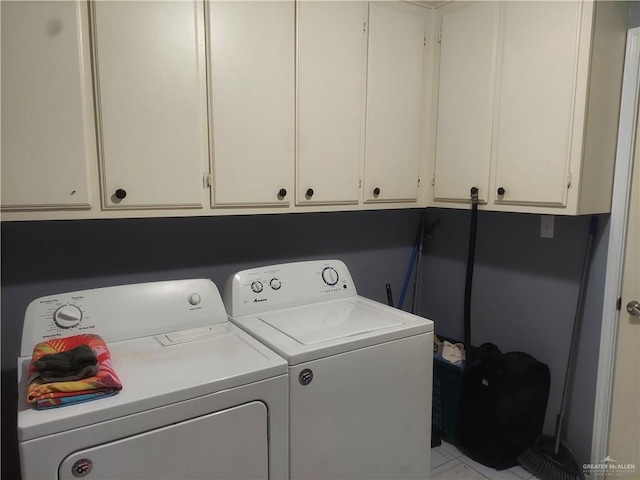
615, 254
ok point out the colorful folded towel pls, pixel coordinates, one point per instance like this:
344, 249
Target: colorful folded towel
55, 394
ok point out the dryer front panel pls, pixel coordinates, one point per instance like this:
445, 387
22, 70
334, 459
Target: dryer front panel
364, 414
229, 444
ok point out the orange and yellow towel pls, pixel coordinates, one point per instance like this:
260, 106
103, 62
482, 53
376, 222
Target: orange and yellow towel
57, 394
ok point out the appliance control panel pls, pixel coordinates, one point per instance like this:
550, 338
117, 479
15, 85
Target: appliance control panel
287, 285
123, 312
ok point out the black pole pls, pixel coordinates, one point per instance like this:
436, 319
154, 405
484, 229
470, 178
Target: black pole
469, 277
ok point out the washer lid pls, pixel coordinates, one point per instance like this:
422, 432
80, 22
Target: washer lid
305, 333
329, 321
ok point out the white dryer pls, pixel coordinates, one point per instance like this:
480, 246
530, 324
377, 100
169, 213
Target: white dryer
201, 399
360, 372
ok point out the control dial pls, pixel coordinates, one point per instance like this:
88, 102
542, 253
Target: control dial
67, 316
256, 286
330, 276
275, 283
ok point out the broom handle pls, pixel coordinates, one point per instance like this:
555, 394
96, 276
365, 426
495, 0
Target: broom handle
575, 335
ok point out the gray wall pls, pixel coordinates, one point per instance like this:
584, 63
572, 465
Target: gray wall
524, 287
634, 14
42, 258
524, 297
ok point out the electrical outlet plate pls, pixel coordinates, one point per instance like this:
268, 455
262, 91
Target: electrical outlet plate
546, 226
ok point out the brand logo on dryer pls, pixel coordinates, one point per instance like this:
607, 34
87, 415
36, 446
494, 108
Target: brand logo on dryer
256, 300
82, 467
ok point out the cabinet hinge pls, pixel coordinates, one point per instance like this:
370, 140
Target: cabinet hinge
619, 304
569, 180
440, 36
207, 180
360, 183
433, 181
364, 27
425, 41
418, 182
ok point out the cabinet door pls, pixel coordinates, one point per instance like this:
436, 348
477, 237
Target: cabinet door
466, 94
46, 120
251, 54
151, 88
394, 101
332, 46
537, 97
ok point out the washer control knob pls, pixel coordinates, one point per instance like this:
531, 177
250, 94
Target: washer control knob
67, 316
275, 283
330, 276
256, 286
194, 299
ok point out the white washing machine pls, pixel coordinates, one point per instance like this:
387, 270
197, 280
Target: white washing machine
201, 399
360, 372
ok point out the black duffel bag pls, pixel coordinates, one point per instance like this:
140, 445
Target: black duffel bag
503, 401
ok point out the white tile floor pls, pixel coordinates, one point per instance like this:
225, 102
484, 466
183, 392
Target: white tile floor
448, 463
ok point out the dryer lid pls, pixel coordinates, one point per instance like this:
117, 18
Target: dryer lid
156, 373
329, 321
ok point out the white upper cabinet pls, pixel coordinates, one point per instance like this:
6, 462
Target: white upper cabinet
331, 60
528, 104
151, 95
466, 85
251, 59
397, 39
537, 101
47, 117
143, 108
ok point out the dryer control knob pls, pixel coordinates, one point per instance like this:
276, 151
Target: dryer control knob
330, 276
256, 286
67, 316
275, 283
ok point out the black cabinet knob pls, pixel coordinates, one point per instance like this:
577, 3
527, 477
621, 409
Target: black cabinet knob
282, 193
474, 190
121, 193
501, 191
309, 192
376, 191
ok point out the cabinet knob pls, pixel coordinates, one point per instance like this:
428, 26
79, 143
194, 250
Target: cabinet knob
501, 191
282, 193
121, 193
309, 192
474, 190
376, 191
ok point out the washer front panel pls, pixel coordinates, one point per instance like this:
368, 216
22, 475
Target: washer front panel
363, 414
